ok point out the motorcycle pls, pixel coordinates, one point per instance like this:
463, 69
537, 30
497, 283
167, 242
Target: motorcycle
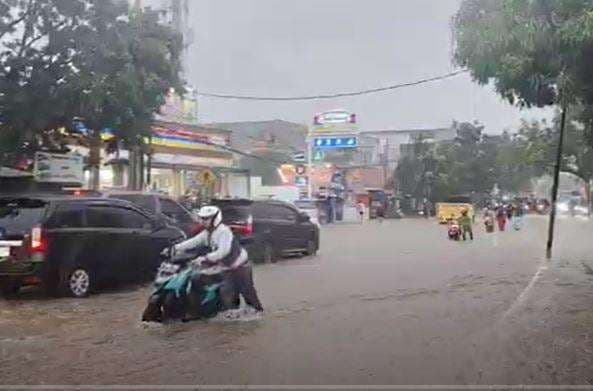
454, 231
185, 291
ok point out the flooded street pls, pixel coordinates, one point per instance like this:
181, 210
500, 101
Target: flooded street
385, 303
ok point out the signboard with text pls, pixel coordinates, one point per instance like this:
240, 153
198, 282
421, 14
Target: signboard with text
58, 168
335, 122
335, 142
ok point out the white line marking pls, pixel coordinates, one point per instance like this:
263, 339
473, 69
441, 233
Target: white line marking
519, 300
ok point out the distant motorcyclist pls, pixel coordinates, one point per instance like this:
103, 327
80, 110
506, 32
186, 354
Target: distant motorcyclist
226, 251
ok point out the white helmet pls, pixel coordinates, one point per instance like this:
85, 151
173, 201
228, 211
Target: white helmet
211, 216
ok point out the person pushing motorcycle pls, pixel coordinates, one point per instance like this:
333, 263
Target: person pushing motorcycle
466, 225
227, 252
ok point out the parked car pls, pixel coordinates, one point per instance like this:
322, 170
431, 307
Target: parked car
73, 245
270, 228
162, 207
311, 208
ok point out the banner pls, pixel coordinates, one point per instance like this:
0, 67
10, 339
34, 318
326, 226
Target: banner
58, 168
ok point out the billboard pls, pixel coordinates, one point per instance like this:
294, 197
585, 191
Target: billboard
335, 122
58, 168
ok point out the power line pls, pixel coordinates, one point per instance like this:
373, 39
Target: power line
331, 96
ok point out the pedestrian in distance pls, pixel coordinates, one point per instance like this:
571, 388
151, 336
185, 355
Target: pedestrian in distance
501, 218
509, 210
360, 208
425, 208
518, 218
465, 222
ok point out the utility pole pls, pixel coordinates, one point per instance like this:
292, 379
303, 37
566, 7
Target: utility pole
555, 184
309, 141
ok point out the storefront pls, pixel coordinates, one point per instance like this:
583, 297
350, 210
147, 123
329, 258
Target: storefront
193, 160
179, 160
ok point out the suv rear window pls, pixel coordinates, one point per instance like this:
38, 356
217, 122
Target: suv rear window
18, 216
144, 201
235, 213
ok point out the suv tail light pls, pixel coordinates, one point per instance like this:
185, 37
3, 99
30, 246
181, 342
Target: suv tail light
243, 227
37, 241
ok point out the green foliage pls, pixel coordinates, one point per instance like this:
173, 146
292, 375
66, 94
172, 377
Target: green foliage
471, 164
529, 49
474, 162
94, 59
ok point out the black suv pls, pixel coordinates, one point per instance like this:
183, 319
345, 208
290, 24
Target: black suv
73, 244
162, 207
269, 228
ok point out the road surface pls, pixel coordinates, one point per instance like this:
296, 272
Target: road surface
383, 303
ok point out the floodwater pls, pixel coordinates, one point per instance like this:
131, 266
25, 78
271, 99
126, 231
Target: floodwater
383, 303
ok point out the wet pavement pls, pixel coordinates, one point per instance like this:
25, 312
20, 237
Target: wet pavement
383, 303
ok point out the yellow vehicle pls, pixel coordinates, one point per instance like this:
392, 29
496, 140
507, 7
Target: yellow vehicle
452, 207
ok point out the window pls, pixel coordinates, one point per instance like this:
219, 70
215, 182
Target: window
18, 216
260, 211
68, 216
104, 217
144, 201
235, 214
115, 217
133, 219
172, 210
279, 212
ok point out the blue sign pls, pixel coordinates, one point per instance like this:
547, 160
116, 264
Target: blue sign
335, 142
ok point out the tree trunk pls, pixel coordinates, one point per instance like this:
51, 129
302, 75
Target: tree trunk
131, 168
149, 162
95, 160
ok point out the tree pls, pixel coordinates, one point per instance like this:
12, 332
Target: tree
96, 60
530, 50
414, 174
122, 82
35, 59
536, 52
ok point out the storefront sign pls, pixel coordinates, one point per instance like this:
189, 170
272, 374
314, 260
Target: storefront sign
301, 181
335, 122
335, 142
182, 138
58, 168
207, 177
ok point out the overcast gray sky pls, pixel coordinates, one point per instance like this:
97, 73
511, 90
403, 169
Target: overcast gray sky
304, 47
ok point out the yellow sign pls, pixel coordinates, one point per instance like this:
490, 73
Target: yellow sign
207, 177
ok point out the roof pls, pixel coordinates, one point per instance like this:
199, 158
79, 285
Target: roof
406, 131
194, 128
284, 134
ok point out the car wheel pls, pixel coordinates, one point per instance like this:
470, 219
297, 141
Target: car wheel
312, 247
77, 282
11, 288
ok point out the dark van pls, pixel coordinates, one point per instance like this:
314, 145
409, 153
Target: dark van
72, 245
